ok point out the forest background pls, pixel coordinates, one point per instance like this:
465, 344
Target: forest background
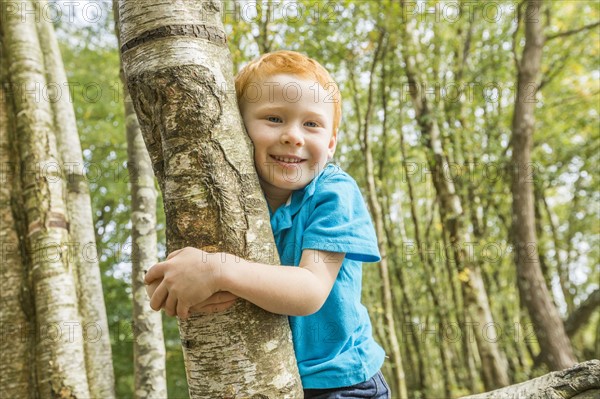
465, 53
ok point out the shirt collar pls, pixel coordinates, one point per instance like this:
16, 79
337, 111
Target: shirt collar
282, 217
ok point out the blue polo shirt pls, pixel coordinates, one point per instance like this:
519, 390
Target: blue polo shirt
334, 346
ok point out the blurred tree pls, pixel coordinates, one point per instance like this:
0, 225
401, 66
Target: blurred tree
148, 345
16, 353
555, 345
98, 356
57, 272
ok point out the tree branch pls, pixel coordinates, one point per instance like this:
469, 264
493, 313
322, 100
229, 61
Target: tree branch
516, 34
581, 315
572, 32
574, 382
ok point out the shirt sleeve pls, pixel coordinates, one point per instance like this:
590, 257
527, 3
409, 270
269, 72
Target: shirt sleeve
340, 222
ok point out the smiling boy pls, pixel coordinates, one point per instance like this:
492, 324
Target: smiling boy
291, 109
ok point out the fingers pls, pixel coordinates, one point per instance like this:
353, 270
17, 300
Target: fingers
217, 302
171, 305
182, 310
219, 297
213, 308
159, 296
156, 272
150, 288
174, 253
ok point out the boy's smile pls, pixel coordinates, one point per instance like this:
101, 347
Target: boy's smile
290, 122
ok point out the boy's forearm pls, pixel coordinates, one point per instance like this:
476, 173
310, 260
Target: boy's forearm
293, 291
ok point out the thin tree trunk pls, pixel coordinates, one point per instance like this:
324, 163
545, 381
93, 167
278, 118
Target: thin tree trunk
476, 300
16, 313
149, 354
178, 71
60, 357
440, 309
421, 377
554, 343
85, 267
390, 236
539, 233
375, 207
562, 268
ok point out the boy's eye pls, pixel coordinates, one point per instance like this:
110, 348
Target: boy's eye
311, 124
274, 119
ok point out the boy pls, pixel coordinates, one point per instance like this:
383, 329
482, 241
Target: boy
291, 109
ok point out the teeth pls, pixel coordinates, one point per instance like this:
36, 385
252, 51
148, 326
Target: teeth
287, 160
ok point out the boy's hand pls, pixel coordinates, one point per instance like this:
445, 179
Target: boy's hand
150, 288
218, 302
187, 278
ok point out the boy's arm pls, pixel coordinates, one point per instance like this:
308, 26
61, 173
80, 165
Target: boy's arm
294, 291
190, 276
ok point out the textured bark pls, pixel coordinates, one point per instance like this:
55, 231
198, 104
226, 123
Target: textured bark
148, 346
493, 362
179, 74
85, 267
16, 346
149, 355
554, 343
581, 381
60, 358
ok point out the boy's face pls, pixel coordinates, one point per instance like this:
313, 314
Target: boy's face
290, 122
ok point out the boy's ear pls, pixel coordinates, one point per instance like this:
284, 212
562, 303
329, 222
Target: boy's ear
331, 147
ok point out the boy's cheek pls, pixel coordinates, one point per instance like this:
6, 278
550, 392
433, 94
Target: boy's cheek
150, 288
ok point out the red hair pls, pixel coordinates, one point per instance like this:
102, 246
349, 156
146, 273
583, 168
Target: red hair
292, 63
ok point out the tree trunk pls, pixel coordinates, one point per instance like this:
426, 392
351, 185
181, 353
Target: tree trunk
375, 206
554, 343
406, 300
581, 381
60, 357
179, 75
85, 268
16, 325
149, 355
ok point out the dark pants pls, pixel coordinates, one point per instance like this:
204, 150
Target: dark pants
373, 388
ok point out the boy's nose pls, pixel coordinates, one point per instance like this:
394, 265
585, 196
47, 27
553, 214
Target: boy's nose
292, 136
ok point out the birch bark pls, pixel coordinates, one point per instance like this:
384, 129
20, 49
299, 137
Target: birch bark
60, 360
149, 354
16, 346
178, 71
581, 381
98, 353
